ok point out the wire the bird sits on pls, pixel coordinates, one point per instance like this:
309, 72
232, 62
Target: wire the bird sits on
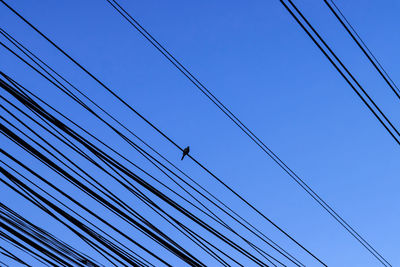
161, 132
247, 131
24, 116
70, 94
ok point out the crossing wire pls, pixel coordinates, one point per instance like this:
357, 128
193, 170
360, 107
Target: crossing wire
39, 62
383, 119
161, 132
98, 153
361, 44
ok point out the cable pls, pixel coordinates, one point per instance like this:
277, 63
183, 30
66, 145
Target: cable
41, 236
37, 61
66, 216
361, 44
338, 218
42, 140
154, 127
8, 254
102, 156
248, 132
73, 211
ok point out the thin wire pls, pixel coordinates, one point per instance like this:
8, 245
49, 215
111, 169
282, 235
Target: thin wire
141, 151
101, 155
227, 112
361, 44
158, 130
339, 218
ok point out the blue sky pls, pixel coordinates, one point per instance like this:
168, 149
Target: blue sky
258, 61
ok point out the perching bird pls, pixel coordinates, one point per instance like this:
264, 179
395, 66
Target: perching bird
185, 152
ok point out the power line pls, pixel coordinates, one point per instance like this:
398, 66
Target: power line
113, 208
23, 248
8, 254
339, 218
41, 236
157, 129
39, 62
37, 197
141, 151
56, 130
379, 115
44, 192
246, 130
361, 44
77, 203
53, 130
37, 109
169, 244
48, 144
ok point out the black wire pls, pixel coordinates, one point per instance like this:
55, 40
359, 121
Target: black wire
65, 215
42, 140
85, 208
18, 162
10, 255
55, 241
96, 236
124, 138
80, 257
46, 142
255, 247
113, 196
71, 162
17, 222
352, 77
337, 217
223, 108
81, 206
211, 97
30, 55
121, 168
157, 129
34, 58
361, 44
73, 211
21, 246
139, 224
23, 250
53, 256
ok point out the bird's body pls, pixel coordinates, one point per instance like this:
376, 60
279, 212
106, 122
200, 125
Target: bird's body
185, 152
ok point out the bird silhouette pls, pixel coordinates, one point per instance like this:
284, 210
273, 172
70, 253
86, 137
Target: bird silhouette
185, 152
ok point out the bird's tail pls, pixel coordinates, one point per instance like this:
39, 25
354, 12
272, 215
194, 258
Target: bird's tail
183, 156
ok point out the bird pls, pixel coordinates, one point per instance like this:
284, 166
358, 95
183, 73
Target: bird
185, 152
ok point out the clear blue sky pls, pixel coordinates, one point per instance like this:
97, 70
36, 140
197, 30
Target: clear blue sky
259, 62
